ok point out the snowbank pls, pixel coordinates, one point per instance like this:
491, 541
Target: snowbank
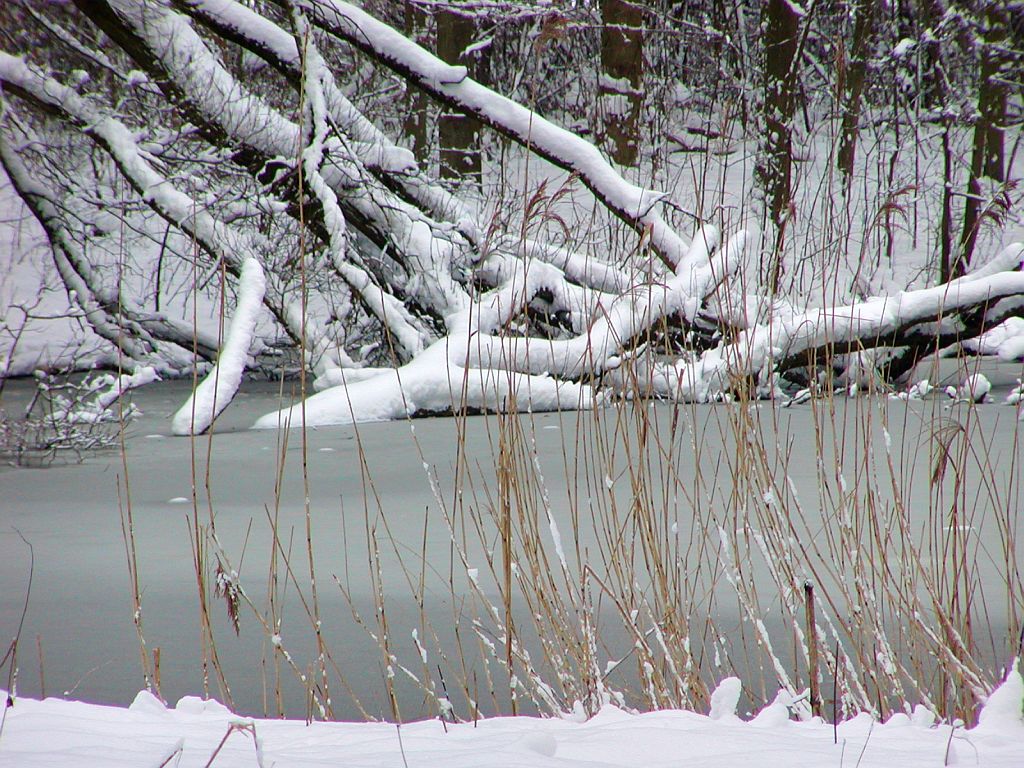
67, 733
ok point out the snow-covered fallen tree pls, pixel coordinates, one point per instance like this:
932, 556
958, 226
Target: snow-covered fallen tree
433, 382
205, 135
214, 393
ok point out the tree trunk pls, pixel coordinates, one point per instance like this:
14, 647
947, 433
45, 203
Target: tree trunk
863, 30
932, 96
988, 155
946, 222
621, 86
781, 25
933, 82
459, 134
416, 102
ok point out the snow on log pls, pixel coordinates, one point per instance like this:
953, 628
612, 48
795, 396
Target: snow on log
432, 383
585, 270
596, 350
1005, 341
220, 385
866, 322
473, 368
1010, 259
519, 284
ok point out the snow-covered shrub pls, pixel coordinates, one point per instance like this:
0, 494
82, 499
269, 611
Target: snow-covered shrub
69, 417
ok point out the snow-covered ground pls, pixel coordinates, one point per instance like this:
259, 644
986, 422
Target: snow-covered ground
54, 732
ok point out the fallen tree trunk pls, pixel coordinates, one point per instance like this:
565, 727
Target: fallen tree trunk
758, 350
221, 384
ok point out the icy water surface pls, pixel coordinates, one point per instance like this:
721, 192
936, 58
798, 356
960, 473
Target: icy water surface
79, 640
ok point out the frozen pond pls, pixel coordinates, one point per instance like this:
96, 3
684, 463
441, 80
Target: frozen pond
79, 639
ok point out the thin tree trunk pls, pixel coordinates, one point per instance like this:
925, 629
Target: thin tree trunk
933, 82
988, 154
933, 94
621, 86
781, 25
459, 134
416, 102
946, 224
994, 93
856, 74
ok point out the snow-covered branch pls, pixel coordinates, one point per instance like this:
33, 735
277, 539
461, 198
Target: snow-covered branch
864, 323
395, 166
451, 85
142, 336
408, 337
598, 348
226, 244
220, 385
208, 93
